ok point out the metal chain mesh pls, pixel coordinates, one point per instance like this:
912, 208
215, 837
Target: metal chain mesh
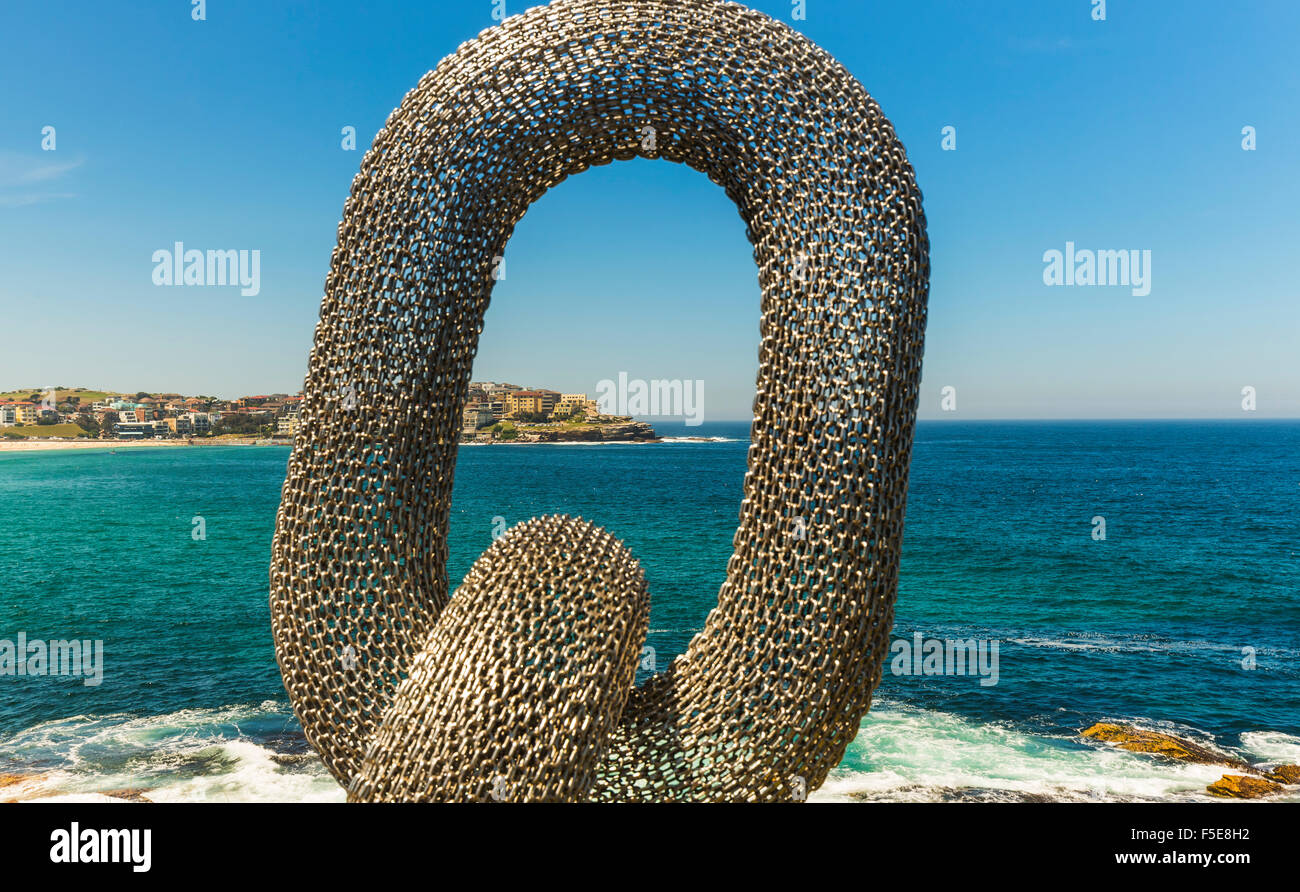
522, 687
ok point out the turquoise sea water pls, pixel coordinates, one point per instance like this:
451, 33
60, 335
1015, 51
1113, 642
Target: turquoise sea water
1150, 626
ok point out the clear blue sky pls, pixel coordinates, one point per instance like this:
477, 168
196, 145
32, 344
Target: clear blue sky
226, 134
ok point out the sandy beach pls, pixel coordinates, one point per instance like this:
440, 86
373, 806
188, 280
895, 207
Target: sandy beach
35, 445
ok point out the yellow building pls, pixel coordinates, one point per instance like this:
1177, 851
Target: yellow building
521, 401
570, 403
549, 399
26, 413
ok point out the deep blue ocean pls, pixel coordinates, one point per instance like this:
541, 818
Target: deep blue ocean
1185, 618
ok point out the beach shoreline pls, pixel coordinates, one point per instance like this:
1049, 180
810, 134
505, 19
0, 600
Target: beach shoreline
36, 445
33, 445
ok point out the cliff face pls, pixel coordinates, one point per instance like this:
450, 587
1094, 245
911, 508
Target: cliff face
634, 431
621, 432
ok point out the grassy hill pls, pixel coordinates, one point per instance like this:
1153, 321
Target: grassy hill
42, 431
87, 396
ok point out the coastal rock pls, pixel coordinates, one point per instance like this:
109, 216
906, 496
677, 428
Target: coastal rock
130, 794
625, 432
1239, 786
17, 787
1137, 740
288, 743
590, 435
1284, 774
636, 430
294, 761
23, 787
952, 794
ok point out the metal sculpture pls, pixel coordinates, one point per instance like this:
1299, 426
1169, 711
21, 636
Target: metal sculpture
520, 687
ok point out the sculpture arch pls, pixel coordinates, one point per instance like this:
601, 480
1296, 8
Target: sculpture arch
771, 691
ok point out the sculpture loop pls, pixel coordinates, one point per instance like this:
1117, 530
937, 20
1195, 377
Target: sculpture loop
523, 684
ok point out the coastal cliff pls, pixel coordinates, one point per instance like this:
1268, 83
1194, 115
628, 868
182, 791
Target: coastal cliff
618, 432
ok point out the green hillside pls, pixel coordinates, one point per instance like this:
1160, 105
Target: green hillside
42, 431
86, 396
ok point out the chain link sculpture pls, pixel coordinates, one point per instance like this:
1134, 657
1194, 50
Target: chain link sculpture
521, 687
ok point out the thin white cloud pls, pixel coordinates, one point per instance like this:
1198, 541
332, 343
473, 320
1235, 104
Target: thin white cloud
23, 170
17, 201
19, 171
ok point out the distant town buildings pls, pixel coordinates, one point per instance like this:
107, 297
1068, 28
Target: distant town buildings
139, 430
489, 402
478, 416
531, 402
146, 416
572, 403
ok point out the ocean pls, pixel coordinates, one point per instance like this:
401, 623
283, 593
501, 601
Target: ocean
1185, 617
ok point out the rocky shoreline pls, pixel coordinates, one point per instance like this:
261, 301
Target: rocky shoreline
292, 753
1260, 780
627, 432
